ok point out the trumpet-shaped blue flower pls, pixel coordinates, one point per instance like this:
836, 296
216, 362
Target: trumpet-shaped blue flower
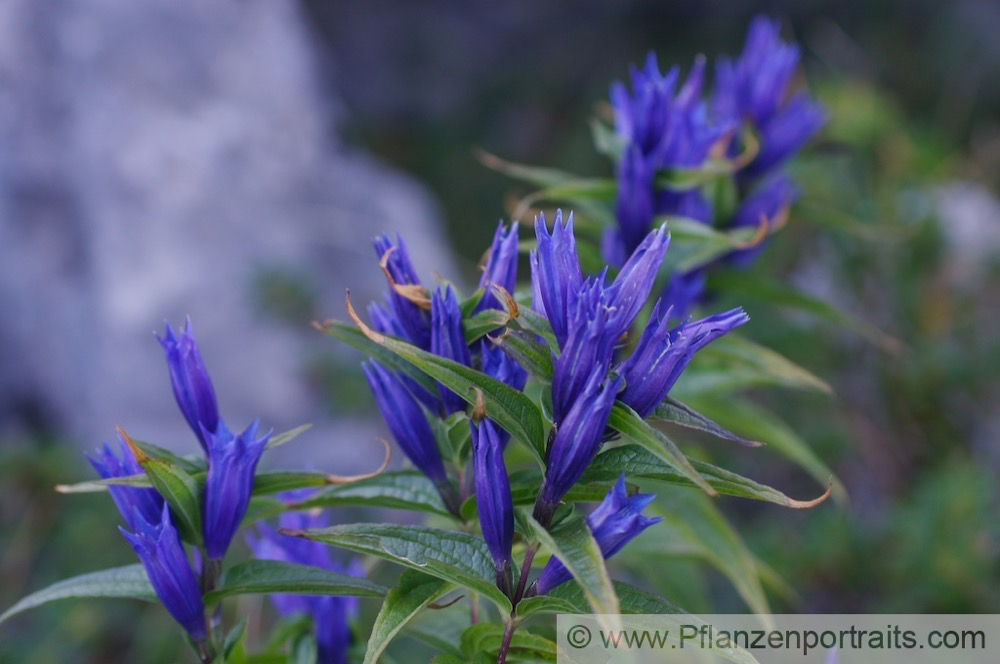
500, 268
330, 614
406, 421
448, 340
232, 462
493, 498
401, 274
148, 503
168, 569
578, 437
663, 353
555, 273
191, 383
615, 522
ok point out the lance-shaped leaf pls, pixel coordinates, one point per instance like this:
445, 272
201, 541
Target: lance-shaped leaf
694, 244
533, 356
756, 421
569, 598
573, 544
533, 322
287, 436
351, 336
129, 582
483, 323
627, 422
507, 407
177, 487
638, 463
672, 410
274, 576
401, 489
447, 554
414, 591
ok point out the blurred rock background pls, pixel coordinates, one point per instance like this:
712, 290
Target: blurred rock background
231, 160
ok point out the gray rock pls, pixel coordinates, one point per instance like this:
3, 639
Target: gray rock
156, 158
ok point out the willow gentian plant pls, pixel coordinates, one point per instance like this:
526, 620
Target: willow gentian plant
527, 415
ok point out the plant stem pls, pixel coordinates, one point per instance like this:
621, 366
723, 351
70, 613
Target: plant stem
508, 634
529, 556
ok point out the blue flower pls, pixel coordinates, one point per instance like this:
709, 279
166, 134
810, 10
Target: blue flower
756, 88
147, 503
330, 614
169, 571
615, 522
578, 437
493, 498
683, 292
406, 420
191, 383
501, 267
232, 462
448, 340
412, 317
663, 353
555, 273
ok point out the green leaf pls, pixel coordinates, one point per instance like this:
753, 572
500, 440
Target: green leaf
483, 323
756, 421
628, 423
486, 637
606, 141
569, 598
400, 489
672, 410
694, 244
447, 554
538, 176
533, 356
692, 526
734, 362
637, 463
276, 481
129, 582
234, 647
262, 507
180, 490
573, 544
138, 481
274, 576
353, 337
524, 490
414, 591
507, 407
194, 465
287, 436
533, 322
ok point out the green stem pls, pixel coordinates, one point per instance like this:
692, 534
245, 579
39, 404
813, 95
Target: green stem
508, 634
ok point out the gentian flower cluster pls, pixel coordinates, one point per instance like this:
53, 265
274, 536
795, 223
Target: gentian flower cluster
432, 321
588, 318
330, 614
232, 462
665, 129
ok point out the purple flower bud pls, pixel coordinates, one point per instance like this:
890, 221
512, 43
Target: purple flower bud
169, 571
493, 498
448, 340
191, 384
501, 267
412, 319
578, 437
662, 354
330, 614
634, 204
631, 287
786, 133
555, 273
406, 421
615, 522
384, 320
148, 503
232, 462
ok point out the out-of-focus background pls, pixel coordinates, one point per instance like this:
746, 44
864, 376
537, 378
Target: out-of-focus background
232, 160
